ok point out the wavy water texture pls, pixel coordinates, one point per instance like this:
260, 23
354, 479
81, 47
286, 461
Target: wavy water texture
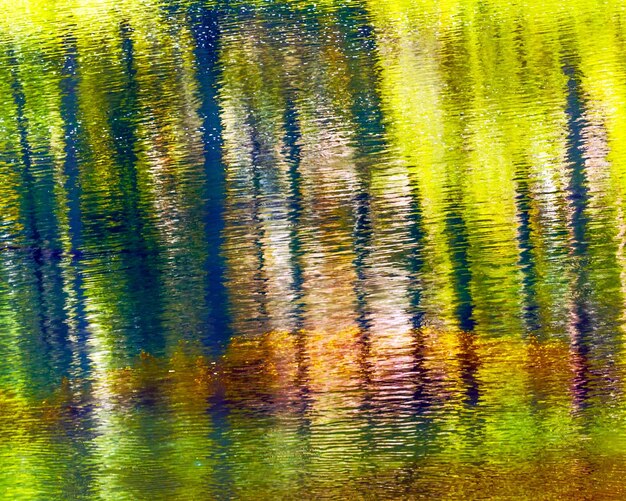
365, 249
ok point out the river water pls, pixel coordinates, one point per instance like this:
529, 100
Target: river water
344, 249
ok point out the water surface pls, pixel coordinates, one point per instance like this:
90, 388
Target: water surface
366, 249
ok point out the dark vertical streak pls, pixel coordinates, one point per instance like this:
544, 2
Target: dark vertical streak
69, 115
29, 205
415, 259
123, 124
295, 207
296, 252
259, 276
47, 303
456, 230
29, 209
578, 195
206, 32
205, 27
367, 116
424, 389
461, 278
139, 250
362, 237
526, 263
524, 204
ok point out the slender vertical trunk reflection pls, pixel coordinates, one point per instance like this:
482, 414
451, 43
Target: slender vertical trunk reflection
72, 133
259, 158
206, 31
524, 204
461, 269
28, 201
423, 389
123, 123
304, 401
139, 249
462, 276
526, 259
578, 197
367, 117
205, 26
369, 144
39, 253
362, 236
69, 115
415, 261
457, 60
292, 142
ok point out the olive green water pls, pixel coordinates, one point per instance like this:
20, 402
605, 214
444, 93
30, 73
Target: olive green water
368, 249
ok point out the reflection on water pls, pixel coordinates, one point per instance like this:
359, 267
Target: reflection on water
264, 250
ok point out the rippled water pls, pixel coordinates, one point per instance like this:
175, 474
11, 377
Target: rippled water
366, 249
